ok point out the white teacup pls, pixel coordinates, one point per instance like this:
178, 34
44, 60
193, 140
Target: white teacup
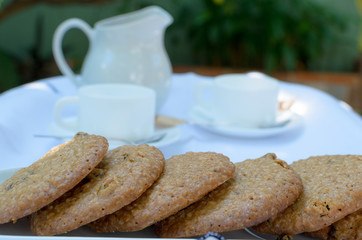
246, 100
116, 111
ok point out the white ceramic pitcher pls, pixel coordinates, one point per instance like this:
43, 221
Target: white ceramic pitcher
123, 49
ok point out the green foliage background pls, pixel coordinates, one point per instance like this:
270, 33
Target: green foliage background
268, 35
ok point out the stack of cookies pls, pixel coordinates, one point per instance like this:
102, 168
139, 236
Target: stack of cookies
131, 188
124, 189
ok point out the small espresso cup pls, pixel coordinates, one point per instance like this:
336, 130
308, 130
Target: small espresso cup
116, 111
245, 100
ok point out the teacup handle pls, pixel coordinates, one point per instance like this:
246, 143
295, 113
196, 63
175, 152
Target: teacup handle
58, 109
57, 44
200, 101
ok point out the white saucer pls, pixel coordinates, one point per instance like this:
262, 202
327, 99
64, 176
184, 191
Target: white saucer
198, 117
171, 135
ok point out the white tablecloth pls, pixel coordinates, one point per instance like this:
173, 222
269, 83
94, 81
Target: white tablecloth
329, 126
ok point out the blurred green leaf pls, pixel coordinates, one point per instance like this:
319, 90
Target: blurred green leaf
282, 33
9, 74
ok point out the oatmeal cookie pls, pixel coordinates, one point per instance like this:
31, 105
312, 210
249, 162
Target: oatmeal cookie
186, 179
348, 228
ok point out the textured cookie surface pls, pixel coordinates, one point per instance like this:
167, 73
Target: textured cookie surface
186, 179
259, 189
349, 227
332, 190
59, 170
121, 177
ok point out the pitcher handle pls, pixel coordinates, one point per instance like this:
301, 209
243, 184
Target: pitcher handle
57, 44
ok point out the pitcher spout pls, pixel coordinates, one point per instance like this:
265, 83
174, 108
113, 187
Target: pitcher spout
159, 15
151, 16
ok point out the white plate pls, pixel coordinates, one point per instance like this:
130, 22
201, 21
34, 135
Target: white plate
172, 135
21, 229
272, 237
199, 118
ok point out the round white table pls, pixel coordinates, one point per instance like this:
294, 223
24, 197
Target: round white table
328, 126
